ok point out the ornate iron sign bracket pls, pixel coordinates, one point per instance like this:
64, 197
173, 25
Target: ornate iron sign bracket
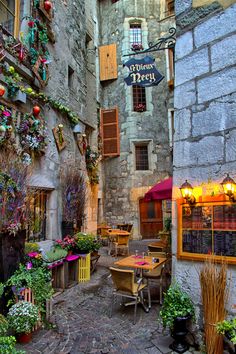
162, 44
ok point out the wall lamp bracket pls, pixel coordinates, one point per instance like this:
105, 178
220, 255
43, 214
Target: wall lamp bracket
187, 193
229, 187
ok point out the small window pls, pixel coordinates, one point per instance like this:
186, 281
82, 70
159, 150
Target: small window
136, 36
141, 155
139, 99
9, 15
70, 77
170, 7
38, 209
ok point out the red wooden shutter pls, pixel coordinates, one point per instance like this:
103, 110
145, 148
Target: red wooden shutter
110, 132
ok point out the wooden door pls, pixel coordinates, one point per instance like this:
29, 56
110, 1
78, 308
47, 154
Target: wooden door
151, 221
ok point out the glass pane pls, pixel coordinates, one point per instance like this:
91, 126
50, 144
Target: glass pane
135, 34
7, 12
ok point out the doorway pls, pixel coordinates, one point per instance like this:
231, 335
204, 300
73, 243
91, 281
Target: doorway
151, 219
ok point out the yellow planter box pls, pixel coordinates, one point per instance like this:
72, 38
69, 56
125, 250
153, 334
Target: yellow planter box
84, 268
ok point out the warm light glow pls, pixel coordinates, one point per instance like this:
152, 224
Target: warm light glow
228, 186
187, 192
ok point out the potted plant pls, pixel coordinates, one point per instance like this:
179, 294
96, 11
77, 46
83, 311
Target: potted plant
55, 255
68, 243
176, 310
85, 243
22, 317
228, 328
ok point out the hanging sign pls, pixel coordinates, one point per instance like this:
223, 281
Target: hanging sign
143, 72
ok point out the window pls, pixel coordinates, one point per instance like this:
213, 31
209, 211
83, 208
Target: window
70, 77
141, 156
171, 126
139, 98
10, 15
207, 229
38, 208
135, 36
170, 7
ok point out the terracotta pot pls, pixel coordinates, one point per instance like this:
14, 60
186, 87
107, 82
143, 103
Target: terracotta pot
24, 337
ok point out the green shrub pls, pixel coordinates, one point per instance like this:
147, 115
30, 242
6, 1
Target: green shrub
7, 346
228, 328
3, 325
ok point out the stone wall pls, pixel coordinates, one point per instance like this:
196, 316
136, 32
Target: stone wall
205, 110
124, 185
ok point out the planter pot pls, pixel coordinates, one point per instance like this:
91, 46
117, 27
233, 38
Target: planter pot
19, 97
179, 332
24, 337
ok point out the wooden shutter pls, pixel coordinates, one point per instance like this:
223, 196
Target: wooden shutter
110, 132
170, 7
108, 62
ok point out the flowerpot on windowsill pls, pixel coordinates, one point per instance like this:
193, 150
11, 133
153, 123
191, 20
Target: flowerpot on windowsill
24, 337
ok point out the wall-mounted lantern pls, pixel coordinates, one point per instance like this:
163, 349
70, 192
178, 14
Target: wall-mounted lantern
229, 187
187, 192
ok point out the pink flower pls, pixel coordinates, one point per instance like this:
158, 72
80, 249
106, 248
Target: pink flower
33, 254
6, 113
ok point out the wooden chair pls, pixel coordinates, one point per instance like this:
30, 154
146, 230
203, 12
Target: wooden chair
121, 243
125, 286
156, 274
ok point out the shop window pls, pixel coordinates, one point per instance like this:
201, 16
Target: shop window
141, 157
207, 229
37, 219
10, 15
136, 36
139, 99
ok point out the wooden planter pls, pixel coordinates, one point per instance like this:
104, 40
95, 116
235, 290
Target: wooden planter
58, 276
71, 270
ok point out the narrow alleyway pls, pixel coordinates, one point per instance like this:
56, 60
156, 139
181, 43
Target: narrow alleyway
83, 325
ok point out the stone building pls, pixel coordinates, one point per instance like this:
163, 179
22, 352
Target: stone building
64, 58
204, 139
142, 116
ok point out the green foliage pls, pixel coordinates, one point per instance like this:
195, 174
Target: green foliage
92, 158
7, 346
3, 325
38, 279
167, 223
54, 255
228, 327
177, 303
23, 316
86, 243
31, 247
1, 289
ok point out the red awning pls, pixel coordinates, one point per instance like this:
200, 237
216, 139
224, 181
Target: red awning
161, 190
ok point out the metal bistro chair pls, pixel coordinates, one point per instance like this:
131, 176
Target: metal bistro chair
125, 286
156, 274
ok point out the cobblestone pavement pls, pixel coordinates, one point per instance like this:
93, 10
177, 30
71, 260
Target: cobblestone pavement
83, 325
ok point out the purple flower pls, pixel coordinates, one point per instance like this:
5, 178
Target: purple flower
29, 265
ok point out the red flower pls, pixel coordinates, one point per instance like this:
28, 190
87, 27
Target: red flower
31, 24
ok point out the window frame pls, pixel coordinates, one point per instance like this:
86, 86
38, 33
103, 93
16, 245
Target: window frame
16, 16
43, 195
132, 35
139, 98
140, 145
